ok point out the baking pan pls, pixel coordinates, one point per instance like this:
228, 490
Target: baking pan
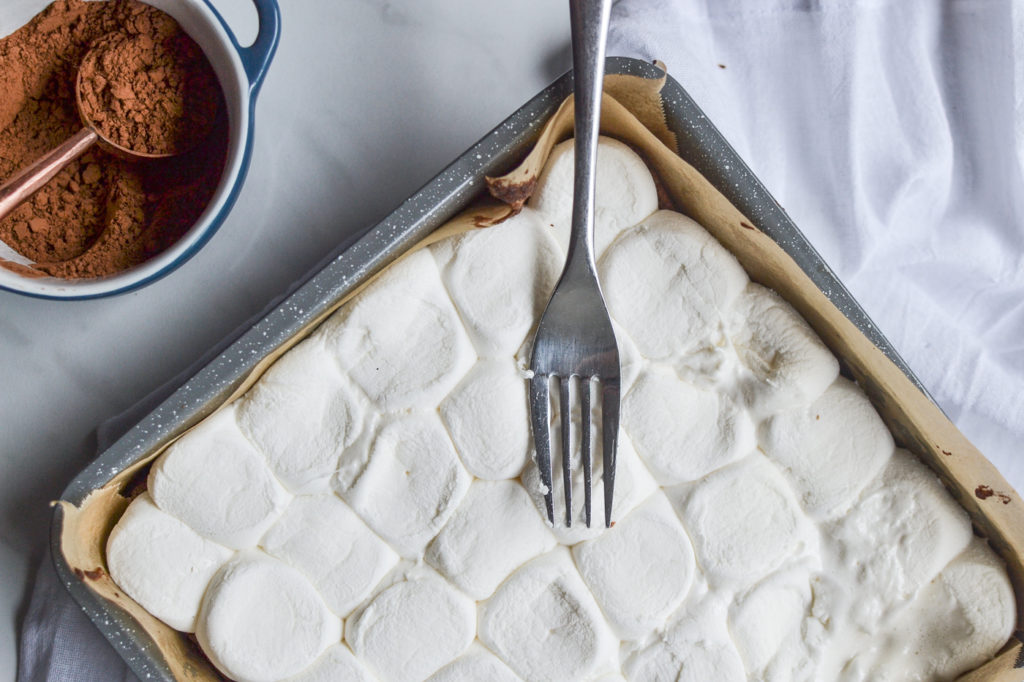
699, 142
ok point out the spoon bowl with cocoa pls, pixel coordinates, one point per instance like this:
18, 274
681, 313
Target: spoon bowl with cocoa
137, 99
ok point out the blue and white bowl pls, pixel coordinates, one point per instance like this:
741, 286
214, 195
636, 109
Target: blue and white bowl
241, 71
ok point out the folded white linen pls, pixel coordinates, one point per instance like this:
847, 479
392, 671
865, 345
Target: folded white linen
893, 135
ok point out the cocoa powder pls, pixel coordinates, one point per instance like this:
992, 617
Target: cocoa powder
152, 92
101, 214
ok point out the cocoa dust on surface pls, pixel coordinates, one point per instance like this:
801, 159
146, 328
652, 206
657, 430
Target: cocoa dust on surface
101, 214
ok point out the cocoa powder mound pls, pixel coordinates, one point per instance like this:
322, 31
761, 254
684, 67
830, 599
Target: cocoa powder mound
100, 215
151, 92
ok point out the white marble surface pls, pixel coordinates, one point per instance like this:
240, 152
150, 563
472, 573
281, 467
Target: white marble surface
402, 89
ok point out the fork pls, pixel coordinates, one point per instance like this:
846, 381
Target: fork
575, 339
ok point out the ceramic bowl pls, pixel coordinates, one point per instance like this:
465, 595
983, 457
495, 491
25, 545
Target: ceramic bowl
240, 71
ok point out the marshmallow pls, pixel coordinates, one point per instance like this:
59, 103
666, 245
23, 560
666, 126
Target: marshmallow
983, 614
161, 563
488, 418
633, 484
767, 625
669, 284
301, 415
640, 570
790, 366
475, 665
401, 339
694, 648
336, 665
327, 541
830, 449
683, 432
824, 557
261, 620
544, 623
957, 622
625, 192
631, 363
412, 628
743, 521
500, 279
411, 484
478, 547
214, 480
904, 529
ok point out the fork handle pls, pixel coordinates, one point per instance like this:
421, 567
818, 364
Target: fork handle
589, 24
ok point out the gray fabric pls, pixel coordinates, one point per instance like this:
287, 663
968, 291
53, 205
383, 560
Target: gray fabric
59, 643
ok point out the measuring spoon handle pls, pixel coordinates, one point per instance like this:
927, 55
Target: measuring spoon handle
29, 179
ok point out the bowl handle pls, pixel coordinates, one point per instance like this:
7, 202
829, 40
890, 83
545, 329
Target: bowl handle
256, 58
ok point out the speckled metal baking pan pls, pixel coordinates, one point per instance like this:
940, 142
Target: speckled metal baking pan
700, 143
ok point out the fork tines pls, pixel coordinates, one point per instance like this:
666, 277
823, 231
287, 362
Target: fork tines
540, 413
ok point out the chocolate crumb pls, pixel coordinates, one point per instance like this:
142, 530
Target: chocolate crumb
94, 574
135, 485
983, 492
721, 66
489, 221
514, 194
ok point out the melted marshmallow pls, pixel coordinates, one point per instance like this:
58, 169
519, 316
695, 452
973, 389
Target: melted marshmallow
769, 625
412, 628
163, 564
336, 665
474, 550
500, 279
412, 483
829, 558
714, 432
695, 647
790, 365
415, 353
830, 449
901, 533
262, 620
322, 537
214, 480
487, 417
302, 415
640, 570
624, 196
670, 284
544, 624
961, 619
476, 665
743, 520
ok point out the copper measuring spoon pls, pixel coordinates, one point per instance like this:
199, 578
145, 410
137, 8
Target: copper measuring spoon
31, 178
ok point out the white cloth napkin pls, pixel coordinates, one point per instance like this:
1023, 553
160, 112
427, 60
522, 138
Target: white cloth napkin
893, 134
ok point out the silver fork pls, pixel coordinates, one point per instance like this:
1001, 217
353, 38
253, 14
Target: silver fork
575, 339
